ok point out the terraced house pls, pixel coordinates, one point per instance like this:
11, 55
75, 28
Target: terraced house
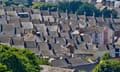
65, 39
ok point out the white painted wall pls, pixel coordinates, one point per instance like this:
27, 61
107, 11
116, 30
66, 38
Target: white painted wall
117, 4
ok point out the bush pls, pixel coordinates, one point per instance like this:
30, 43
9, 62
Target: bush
18, 60
106, 56
108, 66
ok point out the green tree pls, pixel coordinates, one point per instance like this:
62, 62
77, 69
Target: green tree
106, 56
45, 6
3, 68
89, 9
43, 61
38, 5
18, 60
107, 13
74, 5
28, 3
70, 6
63, 6
7, 2
108, 66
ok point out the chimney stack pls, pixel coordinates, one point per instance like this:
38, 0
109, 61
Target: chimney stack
49, 11
111, 17
67, 16
85, 18
58, 14
76, 16
102, 17
93, 14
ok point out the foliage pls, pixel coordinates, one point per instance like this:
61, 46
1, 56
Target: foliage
38, 5
18, 60
44, 6
88, 8
80, 8
43, 61
7, 2
3, 68
70, 6
114, 13
108, 66
106, 56
28, 3
107, 13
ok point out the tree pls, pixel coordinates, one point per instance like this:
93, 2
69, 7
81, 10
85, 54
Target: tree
108, 66
43, 61
38, 5
106, 56
74, 5
45, 6
18, 60
89, 9
107, 13
114, 13
63, 6
28, 3
70, 6
7, 2
3, 68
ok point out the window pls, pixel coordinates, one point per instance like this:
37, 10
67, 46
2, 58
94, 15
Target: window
116, 50
116, 54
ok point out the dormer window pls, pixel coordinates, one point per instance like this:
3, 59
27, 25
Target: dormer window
23, 15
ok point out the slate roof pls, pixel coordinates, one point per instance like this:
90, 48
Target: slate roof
44, 49
27, 25
3, 21
5, 39
2, 12
55, 69
78, 61
7, 30
59, 51
17, 41
60, 63
49, 18
30, 44
35, 16
41, 28
11, 13
48, 33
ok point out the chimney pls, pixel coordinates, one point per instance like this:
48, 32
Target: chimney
42, 17
102, 17
48, 31
0, 28
67, 16
111, 17
85, 18
58, 14
11, 42
49, 11
94, 15
76, 16
15, 30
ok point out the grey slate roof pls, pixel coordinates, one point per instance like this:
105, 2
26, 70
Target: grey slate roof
30, 44
48, 34
59, 63
27, 25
